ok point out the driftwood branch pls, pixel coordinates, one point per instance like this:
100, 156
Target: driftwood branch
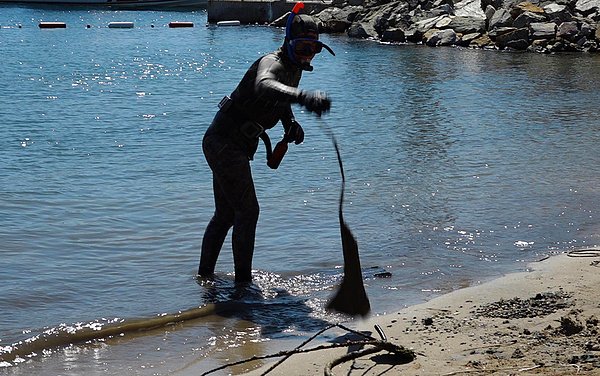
404, 355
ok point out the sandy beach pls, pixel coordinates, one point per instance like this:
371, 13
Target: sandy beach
544, 321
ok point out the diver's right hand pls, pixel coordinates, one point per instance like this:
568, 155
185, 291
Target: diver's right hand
315, 101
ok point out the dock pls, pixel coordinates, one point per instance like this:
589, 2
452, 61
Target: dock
257, 11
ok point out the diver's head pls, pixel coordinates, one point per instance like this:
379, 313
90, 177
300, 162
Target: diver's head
302, 40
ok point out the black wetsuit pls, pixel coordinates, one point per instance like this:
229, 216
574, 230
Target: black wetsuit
263, 96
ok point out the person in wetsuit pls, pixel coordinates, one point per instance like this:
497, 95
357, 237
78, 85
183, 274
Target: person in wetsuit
262, 99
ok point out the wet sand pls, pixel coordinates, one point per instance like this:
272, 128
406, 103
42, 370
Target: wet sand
541, 322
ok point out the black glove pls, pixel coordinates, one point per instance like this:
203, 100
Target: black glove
294, 132
315, 101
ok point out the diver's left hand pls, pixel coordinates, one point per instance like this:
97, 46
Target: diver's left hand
295, 133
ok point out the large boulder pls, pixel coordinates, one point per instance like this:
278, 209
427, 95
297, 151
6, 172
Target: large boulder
501, 18
489, 12
445, 37
467, 39
542, 30
586, 7
568, 31
467, 25
499, 31
527, 18
469, 8
557, 12
514, 39
424, 25
393, 35
361, 30
337, 20
525, 6
483, 41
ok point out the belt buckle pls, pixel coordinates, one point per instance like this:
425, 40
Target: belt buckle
225, 103
251, 129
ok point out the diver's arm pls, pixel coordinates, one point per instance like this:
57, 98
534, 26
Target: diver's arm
287, 119
269, 86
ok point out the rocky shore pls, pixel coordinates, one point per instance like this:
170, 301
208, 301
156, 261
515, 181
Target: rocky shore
538, 26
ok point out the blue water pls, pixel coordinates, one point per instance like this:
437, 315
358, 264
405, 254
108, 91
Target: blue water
461, 165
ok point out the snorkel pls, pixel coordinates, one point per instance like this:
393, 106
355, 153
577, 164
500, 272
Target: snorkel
290, 41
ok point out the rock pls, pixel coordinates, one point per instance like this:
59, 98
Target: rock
525, 7
587, 6
497, 4
554, 8
427, 24
569, 326
519, 44
469, 8
445, 37
501, 18
443, 23
413, 35
357, 30
568, 31
467, 25
489, 12
542, 30
557, 13
482, 42
526, 18
336, 20
393, 35
467, 39
510, 39
586, 30
500, 31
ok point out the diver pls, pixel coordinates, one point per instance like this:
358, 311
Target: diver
262, 99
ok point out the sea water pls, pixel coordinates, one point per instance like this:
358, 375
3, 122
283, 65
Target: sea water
461, 165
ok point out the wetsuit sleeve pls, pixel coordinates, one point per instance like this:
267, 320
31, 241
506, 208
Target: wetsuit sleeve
287, 119
268, 81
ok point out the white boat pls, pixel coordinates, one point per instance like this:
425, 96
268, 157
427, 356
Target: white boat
130, 4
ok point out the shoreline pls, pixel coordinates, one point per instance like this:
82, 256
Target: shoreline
544, 321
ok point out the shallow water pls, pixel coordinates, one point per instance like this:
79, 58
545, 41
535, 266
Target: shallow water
461, 165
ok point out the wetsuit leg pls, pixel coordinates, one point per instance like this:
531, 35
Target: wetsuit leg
215, 232
234, 193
